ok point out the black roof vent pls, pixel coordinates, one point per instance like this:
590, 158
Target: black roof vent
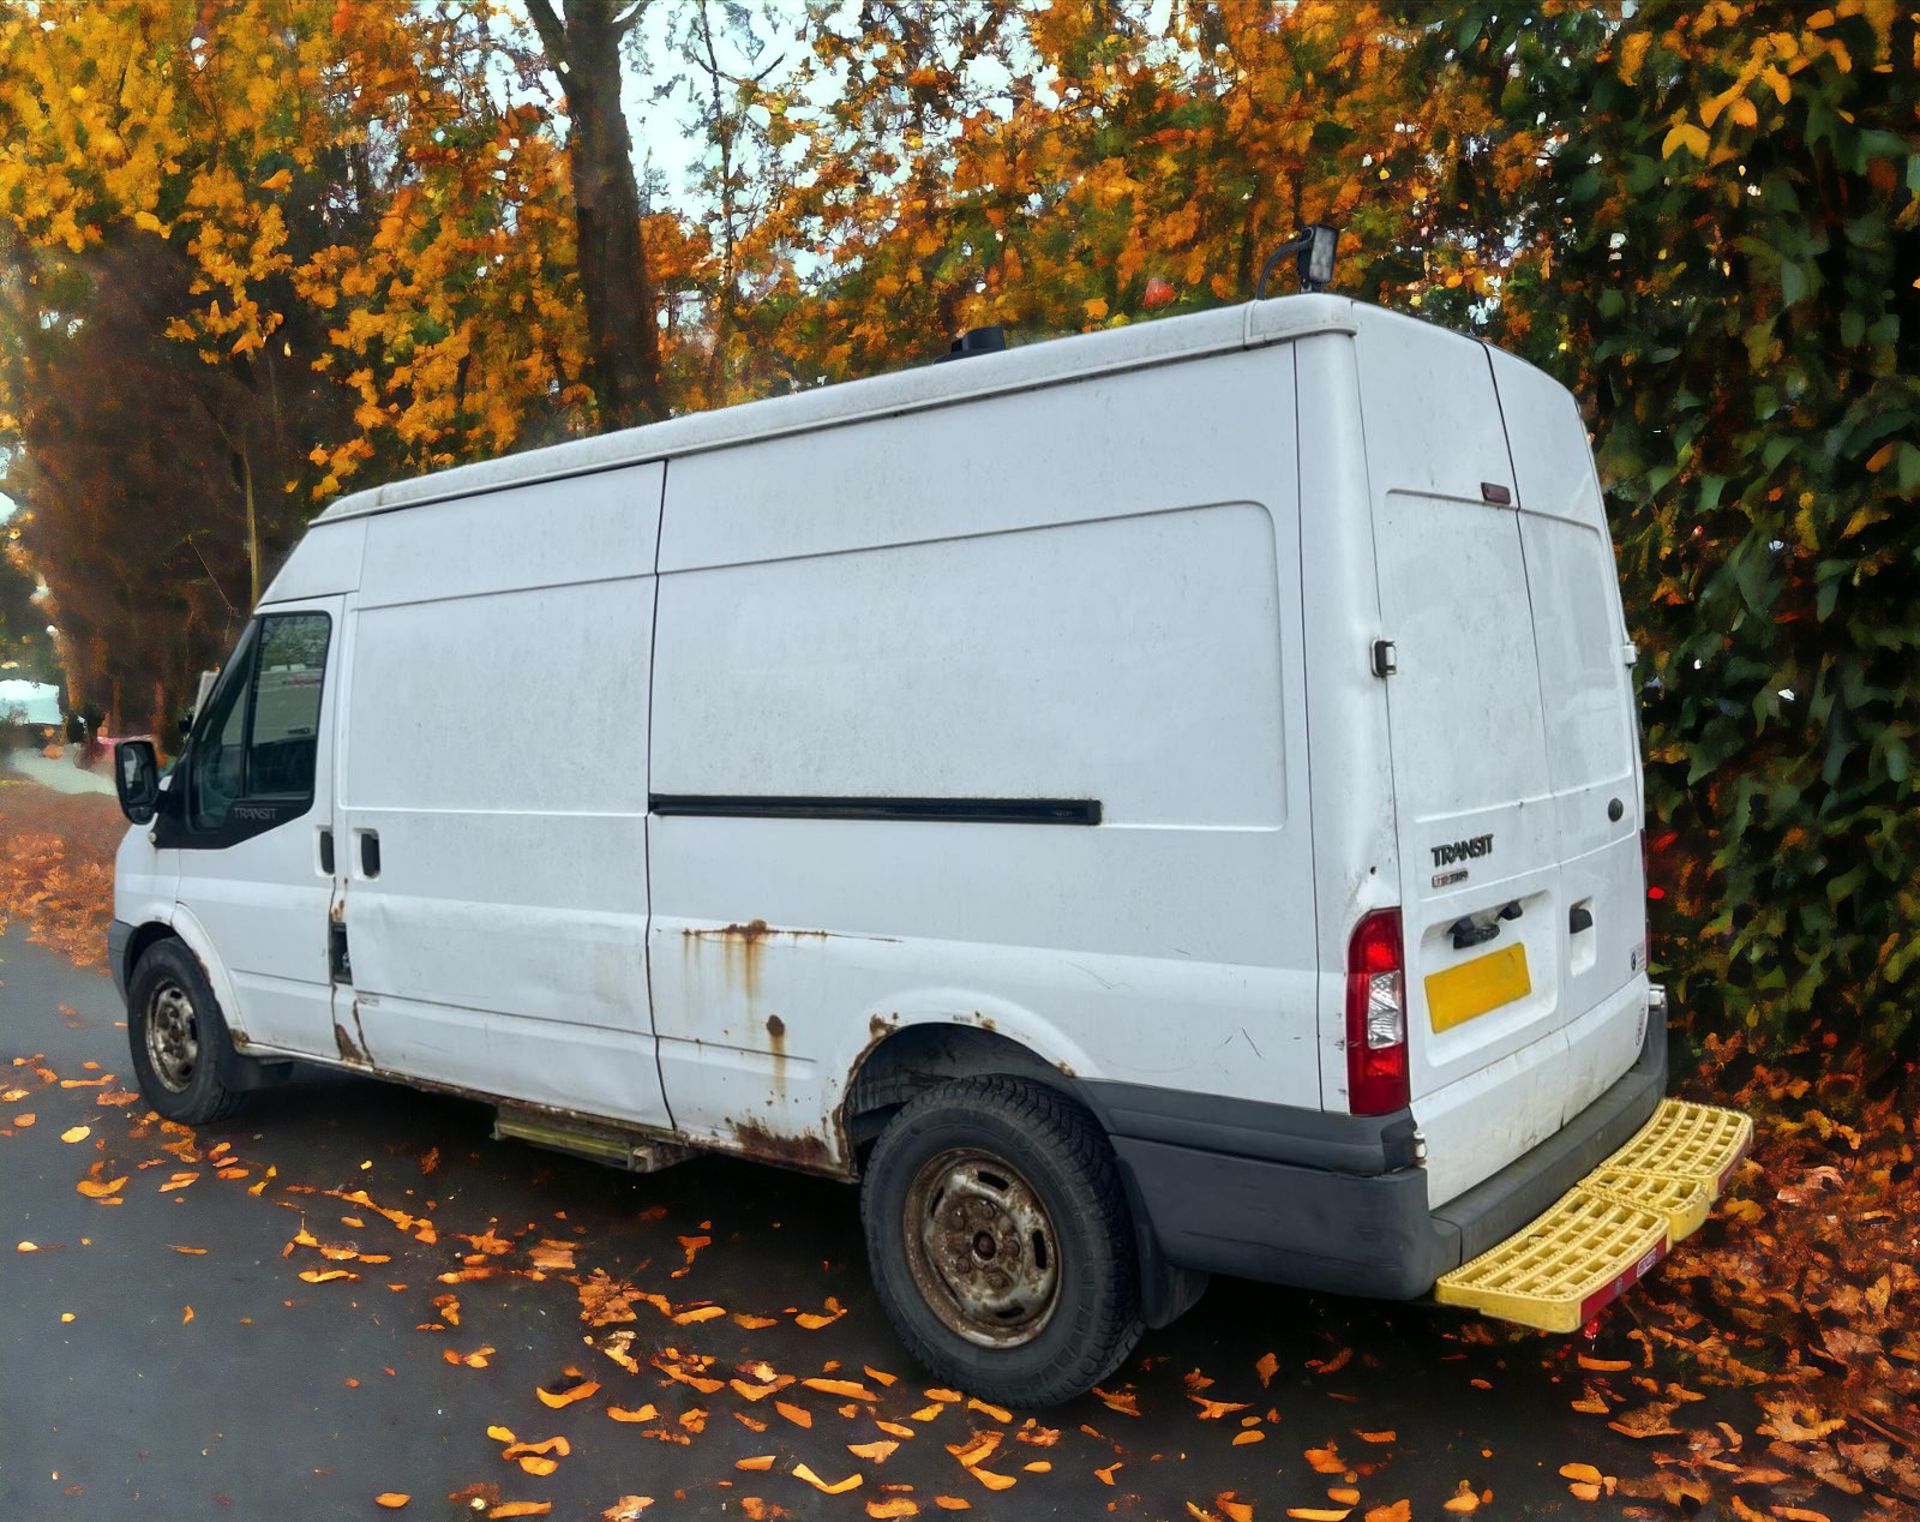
991, 340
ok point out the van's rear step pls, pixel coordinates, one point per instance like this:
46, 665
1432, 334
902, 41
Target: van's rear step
1609, 1230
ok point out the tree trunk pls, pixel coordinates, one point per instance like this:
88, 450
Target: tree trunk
253, 533
623, 339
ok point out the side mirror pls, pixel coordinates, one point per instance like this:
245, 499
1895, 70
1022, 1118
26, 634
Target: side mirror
136, 777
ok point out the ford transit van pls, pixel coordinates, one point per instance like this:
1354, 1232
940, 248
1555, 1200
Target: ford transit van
1150, 804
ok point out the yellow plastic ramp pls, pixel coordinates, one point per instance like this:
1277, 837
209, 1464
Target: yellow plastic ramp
1608, 1231
1685, 1202
1683, 1140
1559, 1271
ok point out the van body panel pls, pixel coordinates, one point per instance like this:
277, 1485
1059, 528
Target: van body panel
146, 884
325, 563
1145, 441
498, 938
894, 619
1473, 1129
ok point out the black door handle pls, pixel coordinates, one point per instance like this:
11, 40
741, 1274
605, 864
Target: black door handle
1579, 918
1468, 933
326, 850
369, 853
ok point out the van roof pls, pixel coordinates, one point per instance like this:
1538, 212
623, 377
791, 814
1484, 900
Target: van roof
1166, 340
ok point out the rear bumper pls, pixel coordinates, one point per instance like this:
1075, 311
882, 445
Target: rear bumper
1329, 1202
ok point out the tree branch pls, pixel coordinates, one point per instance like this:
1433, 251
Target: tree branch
553, 34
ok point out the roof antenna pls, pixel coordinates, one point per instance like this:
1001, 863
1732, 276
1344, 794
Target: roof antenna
975, 341
1315, 245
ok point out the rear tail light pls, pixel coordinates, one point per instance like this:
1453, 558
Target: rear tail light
1376, 1016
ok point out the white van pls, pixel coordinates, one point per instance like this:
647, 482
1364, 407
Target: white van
1149, 804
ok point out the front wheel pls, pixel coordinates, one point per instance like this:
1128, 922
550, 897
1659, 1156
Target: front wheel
178, 1037
1000, 1241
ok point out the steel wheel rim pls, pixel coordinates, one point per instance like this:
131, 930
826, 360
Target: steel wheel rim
173, 1037
981, 1248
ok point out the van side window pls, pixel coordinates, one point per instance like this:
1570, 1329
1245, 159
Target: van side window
285, 727
219, 742
259, 738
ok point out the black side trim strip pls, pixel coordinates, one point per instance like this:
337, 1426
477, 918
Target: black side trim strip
957, 810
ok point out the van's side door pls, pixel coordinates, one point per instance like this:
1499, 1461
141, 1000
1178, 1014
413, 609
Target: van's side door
246, 810
493, 800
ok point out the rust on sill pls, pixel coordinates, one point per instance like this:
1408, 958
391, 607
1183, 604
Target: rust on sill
350, 1050
806, 1151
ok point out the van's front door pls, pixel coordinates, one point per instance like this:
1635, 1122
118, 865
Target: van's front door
246, 810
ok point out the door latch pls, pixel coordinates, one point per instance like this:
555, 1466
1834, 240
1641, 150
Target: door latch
1468, 931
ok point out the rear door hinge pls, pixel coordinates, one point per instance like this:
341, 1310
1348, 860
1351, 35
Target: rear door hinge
1386, 659
1630, 653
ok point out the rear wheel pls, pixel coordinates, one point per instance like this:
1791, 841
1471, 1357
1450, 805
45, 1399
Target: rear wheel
178, 1037
1000, 1241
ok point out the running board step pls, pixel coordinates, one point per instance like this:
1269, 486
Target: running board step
601, 1144
1607, 1232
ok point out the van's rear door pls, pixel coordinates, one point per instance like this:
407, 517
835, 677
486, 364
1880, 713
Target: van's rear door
1482, 901
1593, 763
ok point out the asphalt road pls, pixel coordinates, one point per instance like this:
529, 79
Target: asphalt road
277, 1396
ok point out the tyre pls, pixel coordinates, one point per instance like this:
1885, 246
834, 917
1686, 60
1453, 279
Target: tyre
1000, 1241
178, 1037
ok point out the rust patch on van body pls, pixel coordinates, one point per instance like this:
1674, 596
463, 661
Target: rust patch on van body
805, 1151
753, 932
740, 946
777, 1044
350, 1050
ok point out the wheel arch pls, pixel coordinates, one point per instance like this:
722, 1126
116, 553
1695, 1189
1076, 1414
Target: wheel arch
904, 1060
193, 935
143, 939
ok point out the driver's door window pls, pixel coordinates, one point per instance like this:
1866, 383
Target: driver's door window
217, 766
258, 742
284, 734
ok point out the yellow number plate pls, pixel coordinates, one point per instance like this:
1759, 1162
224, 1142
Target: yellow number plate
1458, 994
